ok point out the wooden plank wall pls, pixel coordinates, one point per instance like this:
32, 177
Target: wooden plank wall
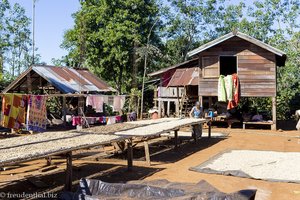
256, 69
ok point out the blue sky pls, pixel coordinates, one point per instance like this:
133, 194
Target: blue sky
53, 18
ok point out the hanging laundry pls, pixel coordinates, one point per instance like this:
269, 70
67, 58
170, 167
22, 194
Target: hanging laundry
36, 113
123, 99
119, 102
105, 99
229, 87
221, 89
236, 92
76, 120
96, 102
13, 110
111, 120
118, 118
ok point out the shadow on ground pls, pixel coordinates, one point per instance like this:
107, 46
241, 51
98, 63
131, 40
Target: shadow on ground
56, 180
164, 150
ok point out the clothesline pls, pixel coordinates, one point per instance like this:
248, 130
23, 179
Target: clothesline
65, 95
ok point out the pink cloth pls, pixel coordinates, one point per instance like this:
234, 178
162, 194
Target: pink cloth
96, 102
119, 102
118, 118
76, 120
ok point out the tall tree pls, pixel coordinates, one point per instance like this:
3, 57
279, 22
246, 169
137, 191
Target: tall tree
19, 43
4, 36
111, 31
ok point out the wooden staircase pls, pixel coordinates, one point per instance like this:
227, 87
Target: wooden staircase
186, 105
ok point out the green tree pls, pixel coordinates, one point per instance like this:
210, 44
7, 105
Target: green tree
4, 37
105, 36
19, 51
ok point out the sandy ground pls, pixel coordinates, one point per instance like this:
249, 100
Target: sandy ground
171, 164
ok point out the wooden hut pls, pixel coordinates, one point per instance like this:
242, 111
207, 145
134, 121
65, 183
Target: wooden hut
55, 81
254, 61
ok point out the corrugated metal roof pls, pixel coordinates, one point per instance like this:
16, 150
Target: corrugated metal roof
240, 35
188, 62
185, 76
67, 80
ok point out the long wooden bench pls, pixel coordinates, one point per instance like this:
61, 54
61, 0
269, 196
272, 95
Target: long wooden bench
257, 123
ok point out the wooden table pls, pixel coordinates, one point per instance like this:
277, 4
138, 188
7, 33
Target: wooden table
156, 129
257, 123
43, 145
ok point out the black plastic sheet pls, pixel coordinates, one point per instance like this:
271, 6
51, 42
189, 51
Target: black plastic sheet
90, 189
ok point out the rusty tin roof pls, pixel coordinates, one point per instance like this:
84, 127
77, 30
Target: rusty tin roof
66, 80
185, 76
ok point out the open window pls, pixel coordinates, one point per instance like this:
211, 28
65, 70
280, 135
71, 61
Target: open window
228, 65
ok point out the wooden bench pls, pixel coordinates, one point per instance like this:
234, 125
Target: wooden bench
257, 123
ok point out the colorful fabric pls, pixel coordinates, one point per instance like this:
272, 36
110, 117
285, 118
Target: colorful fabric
76, 120
36, 113
13, 110
221, 89
229, 87
237, 92
111, 120
96, 102
118, 118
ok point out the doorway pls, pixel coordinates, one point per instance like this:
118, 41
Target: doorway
228, 65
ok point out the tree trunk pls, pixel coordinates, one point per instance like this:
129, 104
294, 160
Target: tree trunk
1, 66
134, 66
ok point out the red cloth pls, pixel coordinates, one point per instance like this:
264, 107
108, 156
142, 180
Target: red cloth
237, 92
118, 118
76, 120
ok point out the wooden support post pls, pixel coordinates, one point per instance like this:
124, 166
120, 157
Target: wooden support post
177, 108
147, 153
177, 104
163, 109
194, 133
155, 97
49, 161
209, 129
129, 155
68, 184
168, 109
176, 138
64, 111
201, 101
159, 108
274, 118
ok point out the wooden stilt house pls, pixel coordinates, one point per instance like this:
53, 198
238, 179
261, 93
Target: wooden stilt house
254, 62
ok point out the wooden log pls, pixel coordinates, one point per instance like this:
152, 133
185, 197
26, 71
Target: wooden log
147, 153
129, 155
68, 183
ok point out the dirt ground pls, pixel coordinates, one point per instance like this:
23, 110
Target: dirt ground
171, 164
